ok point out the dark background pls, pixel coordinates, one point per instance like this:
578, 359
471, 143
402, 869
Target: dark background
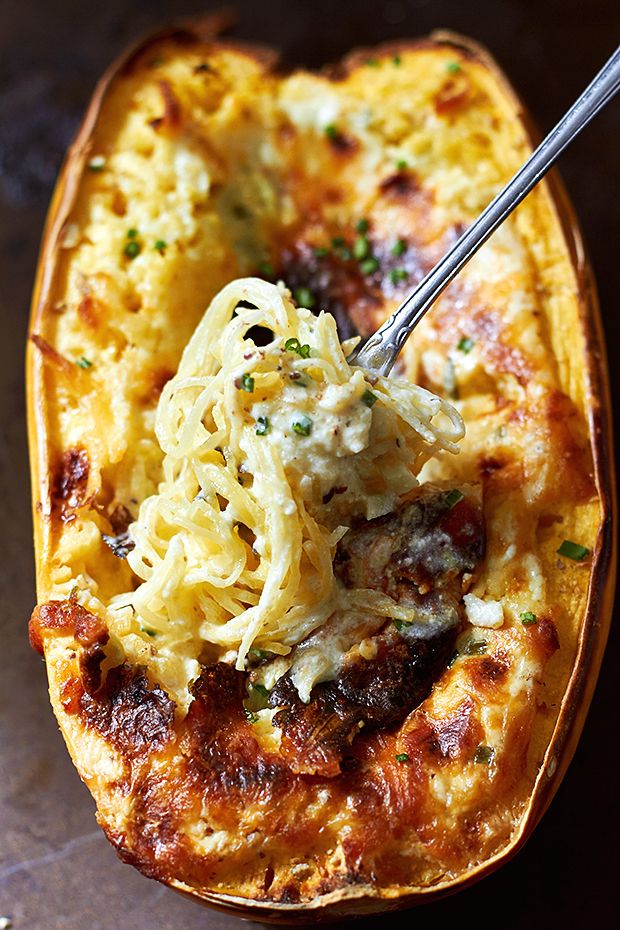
56, 869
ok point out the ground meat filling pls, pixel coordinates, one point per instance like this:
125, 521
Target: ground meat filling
418, 555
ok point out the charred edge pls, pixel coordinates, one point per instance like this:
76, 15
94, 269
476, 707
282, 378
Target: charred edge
119, 541
51, 355
66, 616
70, 482
128, 713
171, 119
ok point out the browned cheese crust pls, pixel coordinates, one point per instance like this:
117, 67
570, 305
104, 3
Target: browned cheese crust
201, 147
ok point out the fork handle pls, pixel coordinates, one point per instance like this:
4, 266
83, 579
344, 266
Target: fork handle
381, 349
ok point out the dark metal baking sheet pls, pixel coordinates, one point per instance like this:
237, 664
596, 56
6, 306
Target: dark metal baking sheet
57, 871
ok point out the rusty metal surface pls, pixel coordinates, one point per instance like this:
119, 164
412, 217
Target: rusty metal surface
57, 871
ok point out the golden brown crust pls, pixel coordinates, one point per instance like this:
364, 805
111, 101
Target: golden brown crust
173, 770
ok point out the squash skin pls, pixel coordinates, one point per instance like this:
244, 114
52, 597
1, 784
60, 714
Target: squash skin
594, 630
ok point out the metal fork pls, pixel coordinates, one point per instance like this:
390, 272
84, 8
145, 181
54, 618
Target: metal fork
380, 350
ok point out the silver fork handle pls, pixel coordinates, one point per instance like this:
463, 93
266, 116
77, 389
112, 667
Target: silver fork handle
380, 350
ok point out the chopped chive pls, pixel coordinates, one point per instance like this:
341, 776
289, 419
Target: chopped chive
373, 62
528, 618
97, 163
132, 249
321, 251
400, 624
369, 398
258, 697
361, 248
331, 131
453, 67
402, 165
402, 757
245, 383
573, 550
304, 298
250, 716
132, 233
263, 426
484, 755
341, 249
302, 426
453, 658
465, 344
266, 269
362, 226
399, 248
294, 345
476, 647
160, 246
398, 274
259, 654
148, 632
396, 60
369, 266
83, 363
453, 497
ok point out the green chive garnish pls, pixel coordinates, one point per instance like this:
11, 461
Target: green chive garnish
402, 165
302, 426
398, 274
132, 233
402, 757
132, 249
528, 618
294, 345
372, 62
400, 624
303, 297
97, 163
396, 60
453, 67
160, 246
399, 248
84, 363
453, 497
362, 226
361, 248
263, 426
321, 251
369, 398
266, 269
475, 647
250, 716
573, 550
331, 131
484, 755
246, 383
465, 344
369, 266
258, 654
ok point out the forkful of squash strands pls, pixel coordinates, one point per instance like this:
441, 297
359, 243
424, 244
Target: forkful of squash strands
380, 350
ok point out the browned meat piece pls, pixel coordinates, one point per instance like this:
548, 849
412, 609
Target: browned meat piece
417, 555
429, 543
376, 693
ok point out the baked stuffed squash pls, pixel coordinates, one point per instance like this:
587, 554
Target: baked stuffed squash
317, 641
